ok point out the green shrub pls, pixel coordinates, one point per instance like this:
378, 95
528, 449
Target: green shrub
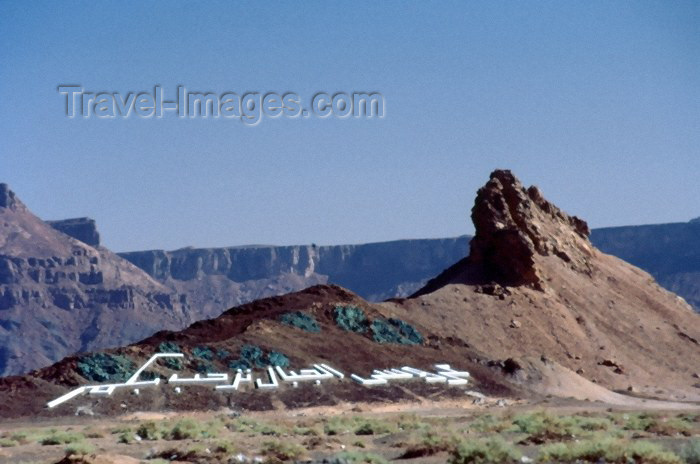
224, 447
429, 445
148, 431
372, 427
690, 453
395, 331
203, 352
169, 347
305, 431
541, 427
282, 451
300, 320
7, 443
184, 429
222, 353
358, 456
489, 424
204, 367
103, 367
61, 438
351, 319
608, 450
125, 437
172, 363
275, 358
79, 449
493, 450
253, 356
335, 426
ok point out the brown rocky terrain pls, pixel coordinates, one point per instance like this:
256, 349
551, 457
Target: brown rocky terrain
59, 295
534, 309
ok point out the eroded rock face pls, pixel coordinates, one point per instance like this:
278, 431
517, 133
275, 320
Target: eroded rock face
516, 229
514, 225
59, 295
8, 198
83, 229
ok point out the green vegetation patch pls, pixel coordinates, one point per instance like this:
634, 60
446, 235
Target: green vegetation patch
275, 358
301, 320
253, 356
690, 453
491, 450
395, 331
170, 363
351, 319
103, 367
203, 352
282, 451
204, 367
61, 438
608, 450
169, 347
359, 456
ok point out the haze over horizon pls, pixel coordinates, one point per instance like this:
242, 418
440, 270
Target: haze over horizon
597, 103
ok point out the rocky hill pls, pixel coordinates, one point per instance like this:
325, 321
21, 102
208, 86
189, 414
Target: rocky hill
59, 295
669, 252
534, 309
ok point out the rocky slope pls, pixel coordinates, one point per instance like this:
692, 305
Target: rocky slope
535, 285
669, 252
59, 295
535, 307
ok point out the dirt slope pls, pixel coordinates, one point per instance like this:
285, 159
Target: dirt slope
534, 285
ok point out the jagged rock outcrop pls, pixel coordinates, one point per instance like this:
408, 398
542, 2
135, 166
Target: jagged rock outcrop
83, 229
59, 295
7, 197
514, 226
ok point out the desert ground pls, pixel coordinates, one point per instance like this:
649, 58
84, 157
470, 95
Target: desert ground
474, 428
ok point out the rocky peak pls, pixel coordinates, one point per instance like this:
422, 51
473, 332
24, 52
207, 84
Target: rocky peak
8, 199
514, 225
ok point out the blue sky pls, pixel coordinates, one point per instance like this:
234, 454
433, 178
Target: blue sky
597, 102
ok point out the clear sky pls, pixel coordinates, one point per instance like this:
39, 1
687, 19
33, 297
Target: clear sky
597, 102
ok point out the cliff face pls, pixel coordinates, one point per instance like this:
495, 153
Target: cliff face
375, 271
59, 295
83, 229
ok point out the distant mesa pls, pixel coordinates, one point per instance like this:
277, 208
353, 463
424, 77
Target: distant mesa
695, 220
